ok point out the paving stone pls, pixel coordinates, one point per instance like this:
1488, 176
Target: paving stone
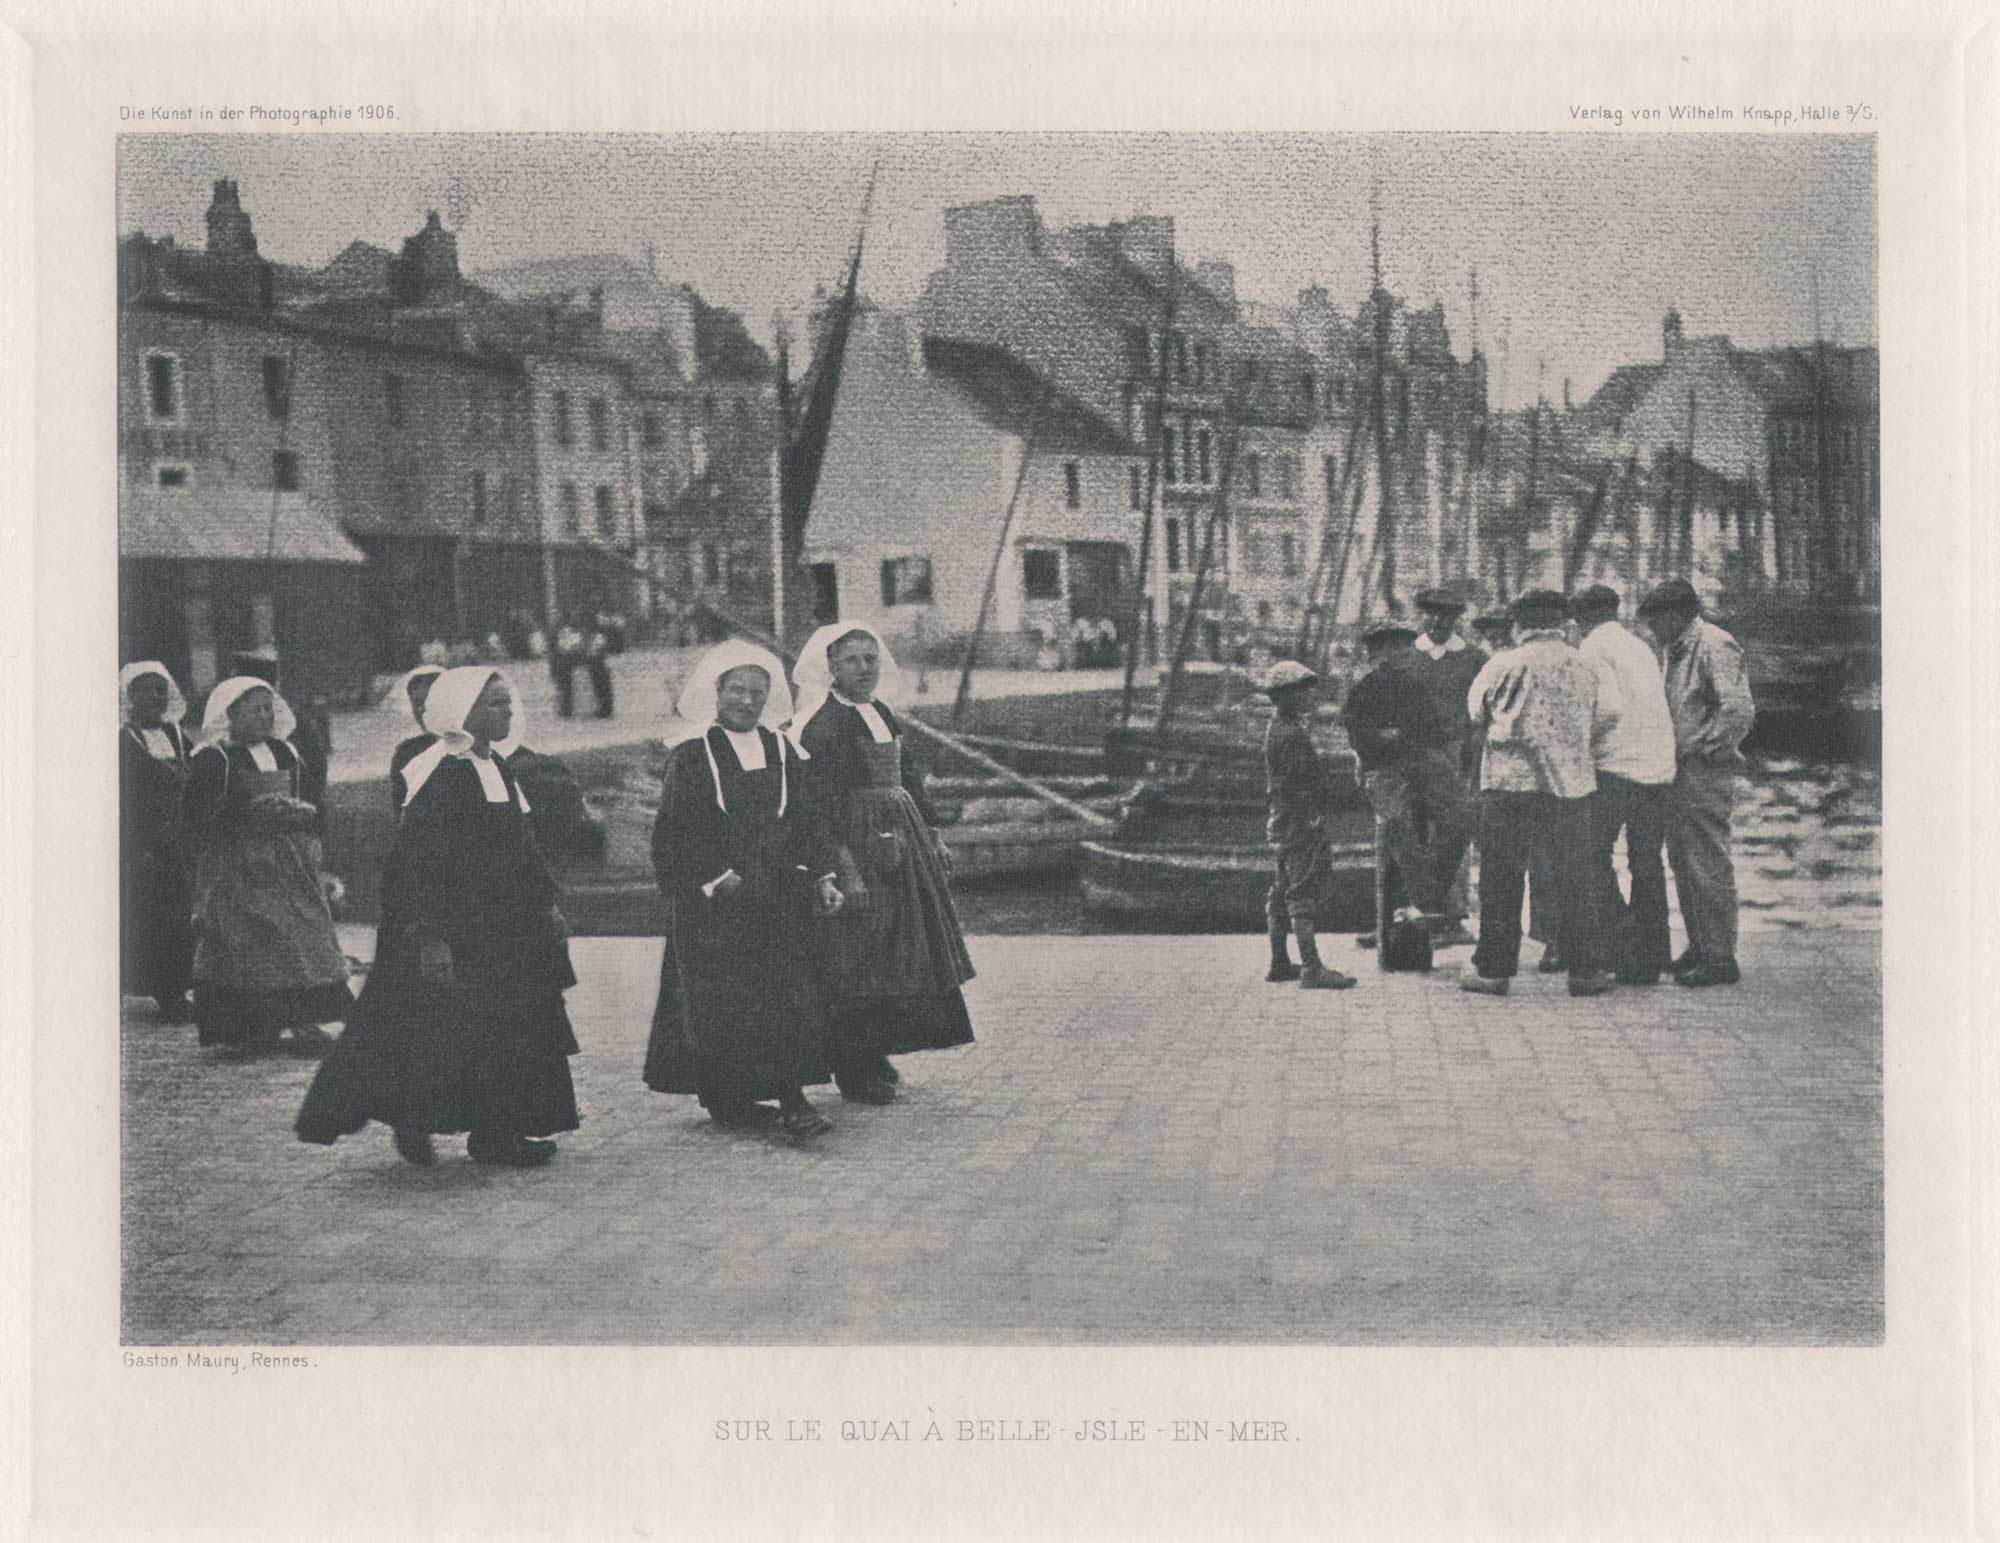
1144, 1146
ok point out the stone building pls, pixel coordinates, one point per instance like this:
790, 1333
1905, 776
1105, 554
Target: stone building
925, 459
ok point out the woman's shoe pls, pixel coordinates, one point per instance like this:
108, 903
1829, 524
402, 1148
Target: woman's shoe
802, 1121
414, 1146
508, 1151
867, 1090
309, 1041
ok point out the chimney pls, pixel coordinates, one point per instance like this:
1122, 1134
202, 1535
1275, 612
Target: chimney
430, 260
1670, 332
229, 232
1146, 241
998, 231
1219, 279
1566, 401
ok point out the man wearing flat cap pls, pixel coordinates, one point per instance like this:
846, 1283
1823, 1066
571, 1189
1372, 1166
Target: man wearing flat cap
1537, 703
1451, 664
1708, 695
1300, 792
1635, 768
1407, 744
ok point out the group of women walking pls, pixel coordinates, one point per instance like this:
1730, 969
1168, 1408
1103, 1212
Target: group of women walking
223, 919
810, 929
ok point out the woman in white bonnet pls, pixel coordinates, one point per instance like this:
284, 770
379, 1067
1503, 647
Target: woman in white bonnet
741, 868
266, 957
461, 1026
894, 957
155, 937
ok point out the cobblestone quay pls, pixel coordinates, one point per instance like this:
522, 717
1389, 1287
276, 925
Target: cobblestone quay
1147, 1144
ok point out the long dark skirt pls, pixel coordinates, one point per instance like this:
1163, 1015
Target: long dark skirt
738, 1018
266, 955
488, 1053
156, 930
895, 963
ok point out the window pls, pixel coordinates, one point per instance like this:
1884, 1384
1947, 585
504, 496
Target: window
1181, 358
171, 476
698, 449
513, 498
572, 511
1202, 447
1073, 484
277, 386
1138, 491
1041, 574
607, 513
652, 433
1173, 546
1131, 412
285, 471
565, 430
708, 408
477, 403
1167, 452
1330, 469
1253, 475
507, 418
163, 388
1306, 387
1263, 613
600, 423
906, 581
392, 399
1187, 453
1288, 547
479, 498
1201, 364
711, 564
1288, 476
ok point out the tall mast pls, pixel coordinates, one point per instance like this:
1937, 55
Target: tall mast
1385, 526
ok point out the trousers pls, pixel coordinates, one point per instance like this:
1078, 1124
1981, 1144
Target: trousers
1301, 890
1699, 806
1637, 928
1424, 819
1510, 826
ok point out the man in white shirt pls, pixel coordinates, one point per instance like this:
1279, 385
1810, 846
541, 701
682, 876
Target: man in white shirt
1635, 769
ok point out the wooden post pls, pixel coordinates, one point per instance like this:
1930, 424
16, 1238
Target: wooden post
964, 697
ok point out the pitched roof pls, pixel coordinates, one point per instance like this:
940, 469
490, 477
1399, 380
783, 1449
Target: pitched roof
1798, 378
1611, 403
229, 525
1010, 395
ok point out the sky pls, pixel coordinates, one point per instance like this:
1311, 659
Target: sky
1581, 242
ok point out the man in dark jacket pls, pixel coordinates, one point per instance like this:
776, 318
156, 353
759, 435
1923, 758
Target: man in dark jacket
1406, 738
1299, 794
1451, 665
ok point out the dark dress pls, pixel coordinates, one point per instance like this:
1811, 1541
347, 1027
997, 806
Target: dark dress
893, 963
738, 1019
488, 1051
156, 930
266, 955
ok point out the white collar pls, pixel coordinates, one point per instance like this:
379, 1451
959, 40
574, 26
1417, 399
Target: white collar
749, 747
263, 757
878, 729
1451, 645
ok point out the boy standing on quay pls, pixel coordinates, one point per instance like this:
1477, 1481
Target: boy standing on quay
1299, 793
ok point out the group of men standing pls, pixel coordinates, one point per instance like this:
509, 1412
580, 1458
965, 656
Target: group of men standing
1574, 731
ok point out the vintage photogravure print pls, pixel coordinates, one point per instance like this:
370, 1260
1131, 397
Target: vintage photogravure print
1189, 810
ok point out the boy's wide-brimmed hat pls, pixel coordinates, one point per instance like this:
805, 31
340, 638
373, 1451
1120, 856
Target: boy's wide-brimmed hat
1439, 600
1286, 675
1387, 631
